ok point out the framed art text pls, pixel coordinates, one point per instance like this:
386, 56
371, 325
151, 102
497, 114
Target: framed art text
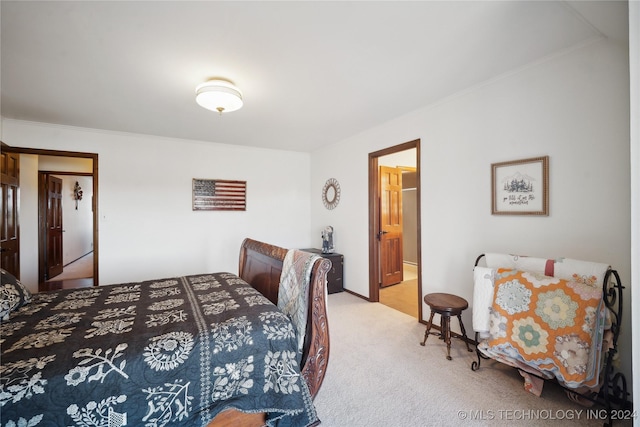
520, 187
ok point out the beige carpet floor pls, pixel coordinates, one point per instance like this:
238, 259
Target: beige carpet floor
403, 296
79, 269
379, 375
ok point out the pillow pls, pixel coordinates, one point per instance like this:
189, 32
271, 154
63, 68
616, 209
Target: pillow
13, 294
585, 272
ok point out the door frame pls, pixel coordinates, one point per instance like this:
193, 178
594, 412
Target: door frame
374, 220
94, 203
42, 225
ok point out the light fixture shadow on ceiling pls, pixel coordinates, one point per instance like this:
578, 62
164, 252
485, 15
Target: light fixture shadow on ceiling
219, 94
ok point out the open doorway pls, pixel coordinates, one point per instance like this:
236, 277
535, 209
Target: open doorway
394, 228
65, 219
65, 165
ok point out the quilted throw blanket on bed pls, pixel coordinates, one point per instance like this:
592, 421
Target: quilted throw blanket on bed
552, 325
293, 293
172, 352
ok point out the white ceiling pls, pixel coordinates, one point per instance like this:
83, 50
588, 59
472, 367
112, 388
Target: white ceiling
312, 73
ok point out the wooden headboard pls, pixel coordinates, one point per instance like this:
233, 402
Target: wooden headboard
261, 266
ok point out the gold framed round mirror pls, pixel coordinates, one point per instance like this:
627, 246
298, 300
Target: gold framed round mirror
331, 193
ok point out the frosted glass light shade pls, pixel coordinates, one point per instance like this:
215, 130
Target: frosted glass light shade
219, 95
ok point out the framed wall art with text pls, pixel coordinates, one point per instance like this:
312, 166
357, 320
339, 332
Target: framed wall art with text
520, 187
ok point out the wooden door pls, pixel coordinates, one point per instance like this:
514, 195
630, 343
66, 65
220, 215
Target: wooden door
10, 226
54, 226
390, 234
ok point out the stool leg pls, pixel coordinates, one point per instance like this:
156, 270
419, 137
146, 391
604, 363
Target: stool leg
464, 333
447, 334
426, 333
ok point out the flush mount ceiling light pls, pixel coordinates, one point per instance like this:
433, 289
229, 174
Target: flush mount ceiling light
219, 95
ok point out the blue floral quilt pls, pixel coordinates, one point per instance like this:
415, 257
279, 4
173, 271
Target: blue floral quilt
170, 352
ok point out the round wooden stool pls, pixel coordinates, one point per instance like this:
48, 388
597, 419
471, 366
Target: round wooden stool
446, 305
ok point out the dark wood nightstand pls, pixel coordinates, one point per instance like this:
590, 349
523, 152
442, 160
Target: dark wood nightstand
334, 277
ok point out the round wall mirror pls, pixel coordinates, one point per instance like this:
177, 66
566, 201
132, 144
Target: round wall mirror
331, 193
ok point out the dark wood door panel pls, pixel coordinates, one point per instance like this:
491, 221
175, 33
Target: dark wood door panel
54, 227
10, 225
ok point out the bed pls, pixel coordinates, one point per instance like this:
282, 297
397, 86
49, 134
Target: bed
209, 349
551, 319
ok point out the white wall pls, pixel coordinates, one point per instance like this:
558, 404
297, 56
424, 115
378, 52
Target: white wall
77, 239
147, 228
634, 67
403, 158
29, 221
573, 108
65, 164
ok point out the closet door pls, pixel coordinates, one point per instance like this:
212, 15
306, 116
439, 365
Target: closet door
10, 226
